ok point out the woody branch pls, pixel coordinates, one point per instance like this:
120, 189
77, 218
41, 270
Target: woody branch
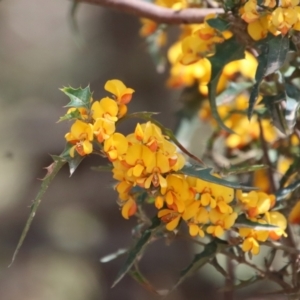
157, 13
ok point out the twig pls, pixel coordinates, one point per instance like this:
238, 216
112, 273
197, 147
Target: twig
266, 157
157, 13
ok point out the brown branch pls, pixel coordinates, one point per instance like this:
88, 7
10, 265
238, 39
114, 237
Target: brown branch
157, 13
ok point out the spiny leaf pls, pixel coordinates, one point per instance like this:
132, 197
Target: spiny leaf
232, 91
103, 168
79, 97
206, 175
112, 256
273, 105
73, 162
226, 52
70, 116
243, 221
140, 279
293, 168
137, 249
242, 169
200, 259
284, 192
273, 54
218, 23
292, 106
52, 171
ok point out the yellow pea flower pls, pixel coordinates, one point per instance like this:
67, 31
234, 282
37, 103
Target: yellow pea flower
129, 208
277, 219
284, 18
103, 129
294, 216
105, 108
81, 134
122, 93
250, 13
115, 146
170, 217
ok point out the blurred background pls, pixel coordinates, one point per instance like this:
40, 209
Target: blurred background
78, 221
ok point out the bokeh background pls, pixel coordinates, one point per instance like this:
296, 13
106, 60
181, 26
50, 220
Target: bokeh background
78, 221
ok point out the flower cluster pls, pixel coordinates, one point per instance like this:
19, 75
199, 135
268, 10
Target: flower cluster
245, 131
271, 18
98, 122
146, 162
146, 158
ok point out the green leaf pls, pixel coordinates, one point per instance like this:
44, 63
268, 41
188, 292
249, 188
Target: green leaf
243, 221
79, 97
73, 162
103, 168
112, 256
283, 193
206, 175
200, 259
70, 116
140, 279
52, 171
273, 54
232, 92
138, 248
273, 105
292, 106
293, 168
218, 23
242, 169
226, 52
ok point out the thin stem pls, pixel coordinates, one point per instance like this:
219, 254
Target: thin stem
266, 157
159, 14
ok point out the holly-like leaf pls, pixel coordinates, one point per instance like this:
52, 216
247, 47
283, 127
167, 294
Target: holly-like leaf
138, 248
112, 256
274, 106
136, 274
79, 97
283, 193
52, 171
73, 162
274, 50
232, 92
242, 169
218, 23
106, 168
206, 175
200, 259
70, 116
292, 106
226, 52
243, 221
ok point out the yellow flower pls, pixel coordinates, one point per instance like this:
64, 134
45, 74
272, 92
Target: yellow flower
220, 222
170, 217
129, 208
103, 129
81, 134
250, 12
251, 239
259, 28
115, 146
284, 18
148, 27
175, 193
105, 108
255, 203
277, 219
122, 93
294, 216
